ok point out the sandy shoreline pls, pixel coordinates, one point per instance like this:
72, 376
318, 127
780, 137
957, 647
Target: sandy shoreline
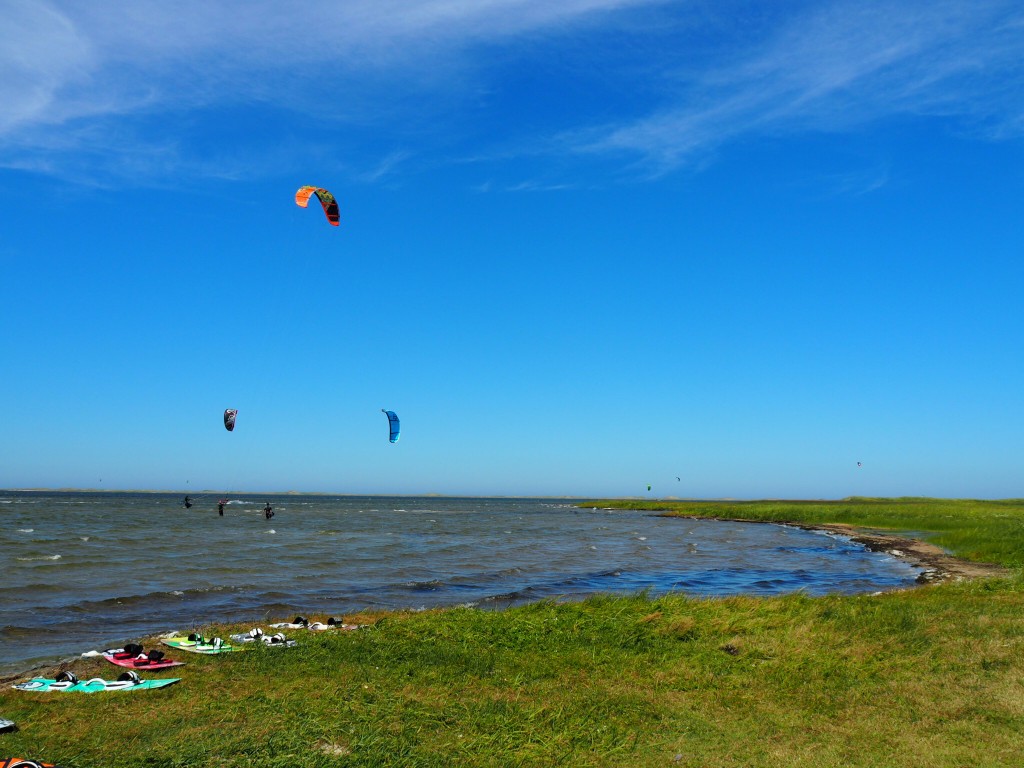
937, 563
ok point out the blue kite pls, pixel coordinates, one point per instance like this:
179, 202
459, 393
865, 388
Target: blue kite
393, 423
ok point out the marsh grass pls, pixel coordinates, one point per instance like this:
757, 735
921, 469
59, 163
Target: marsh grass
928, 677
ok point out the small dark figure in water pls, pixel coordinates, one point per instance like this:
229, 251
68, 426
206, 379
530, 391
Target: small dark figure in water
188, 503
220, 508
268, 511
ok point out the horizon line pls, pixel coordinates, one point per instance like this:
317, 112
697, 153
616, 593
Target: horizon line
714, 499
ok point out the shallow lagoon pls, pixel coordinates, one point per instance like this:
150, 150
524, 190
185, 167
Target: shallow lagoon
91, 570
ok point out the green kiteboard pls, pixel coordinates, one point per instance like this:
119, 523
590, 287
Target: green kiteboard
198, 644
95, 685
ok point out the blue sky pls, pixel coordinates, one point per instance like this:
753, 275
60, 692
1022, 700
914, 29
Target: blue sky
585, 247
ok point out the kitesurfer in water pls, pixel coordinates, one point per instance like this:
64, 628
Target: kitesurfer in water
220, 508
268, 511
188, 503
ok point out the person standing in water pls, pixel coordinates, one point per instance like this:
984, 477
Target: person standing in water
188, 502
220, 508
268, 511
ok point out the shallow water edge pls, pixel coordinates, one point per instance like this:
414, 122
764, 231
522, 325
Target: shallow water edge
937, 564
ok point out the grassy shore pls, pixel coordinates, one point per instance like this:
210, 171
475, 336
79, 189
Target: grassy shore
927, 677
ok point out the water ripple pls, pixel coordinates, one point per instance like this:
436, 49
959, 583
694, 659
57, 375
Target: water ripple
140, 563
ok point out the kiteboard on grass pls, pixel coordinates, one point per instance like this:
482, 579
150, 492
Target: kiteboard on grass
271, 641
316, 626
6, 725
199, 644
67, 682
133, 657
21, 762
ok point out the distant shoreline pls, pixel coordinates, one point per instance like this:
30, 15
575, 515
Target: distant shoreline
644, 499
214, 492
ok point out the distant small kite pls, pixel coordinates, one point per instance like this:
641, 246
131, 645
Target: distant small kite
327, 201
858, 464
394, 425
229, 419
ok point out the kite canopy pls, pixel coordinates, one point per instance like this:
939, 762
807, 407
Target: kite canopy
393, 423
330, 205
229, 419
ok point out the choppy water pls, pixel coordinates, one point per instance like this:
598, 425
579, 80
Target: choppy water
92, 570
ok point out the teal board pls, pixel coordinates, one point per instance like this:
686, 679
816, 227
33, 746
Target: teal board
43, 685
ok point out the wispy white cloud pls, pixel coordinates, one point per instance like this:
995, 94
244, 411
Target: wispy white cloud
129, 88
836, 68
40, 53
852, 183
539, 186
74, 75
386, 166
61, 60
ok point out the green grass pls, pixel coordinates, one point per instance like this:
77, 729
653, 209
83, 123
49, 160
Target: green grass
928, 677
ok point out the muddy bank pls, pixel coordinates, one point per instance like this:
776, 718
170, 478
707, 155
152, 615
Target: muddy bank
938, 564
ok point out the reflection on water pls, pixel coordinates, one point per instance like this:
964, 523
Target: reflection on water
88, 570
